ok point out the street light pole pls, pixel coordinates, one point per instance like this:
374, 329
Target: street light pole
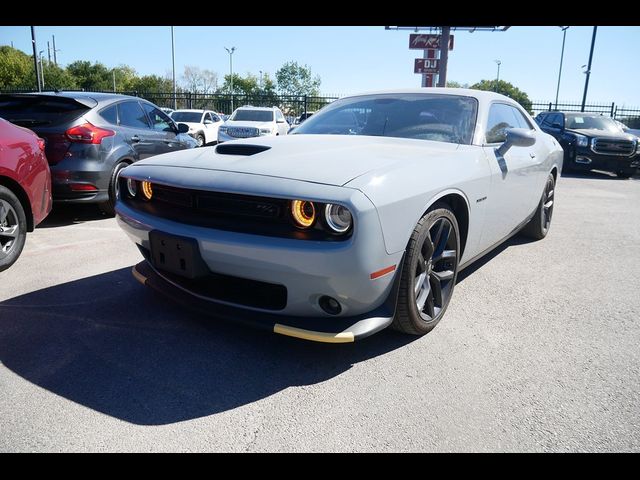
564, 37
173, 63
588, 72
231, 50
35, 57
498, 76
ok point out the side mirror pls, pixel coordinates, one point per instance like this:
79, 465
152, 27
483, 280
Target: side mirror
516, 137
556, 125
183, 128
208, 122
280, 120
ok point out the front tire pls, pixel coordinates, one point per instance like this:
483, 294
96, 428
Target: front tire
625, 173
429, 272
539, 225
109, 207
13, 228
200, 139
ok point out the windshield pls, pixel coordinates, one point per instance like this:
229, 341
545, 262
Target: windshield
189, 117
252, 116
442, 118
583, 122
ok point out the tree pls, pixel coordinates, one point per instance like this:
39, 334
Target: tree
507, 89
152, 83
16, 69
241, 85
55, 77
294, 79
92, 77
197, 80
454, 84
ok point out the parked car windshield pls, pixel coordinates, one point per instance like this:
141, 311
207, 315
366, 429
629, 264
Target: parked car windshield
443, 118
190, 117
252, 115
584, 122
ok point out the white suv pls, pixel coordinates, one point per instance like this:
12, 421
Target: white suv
253, 122
203, 124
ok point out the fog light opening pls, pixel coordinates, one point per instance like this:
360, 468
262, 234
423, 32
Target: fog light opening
329, 305
583, 160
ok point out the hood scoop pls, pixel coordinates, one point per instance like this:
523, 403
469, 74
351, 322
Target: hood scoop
242, 149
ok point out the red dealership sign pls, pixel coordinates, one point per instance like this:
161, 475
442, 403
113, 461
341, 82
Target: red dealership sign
419, 41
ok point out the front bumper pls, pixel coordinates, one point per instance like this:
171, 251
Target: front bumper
586, 159
307, 269
336, 330
223, 137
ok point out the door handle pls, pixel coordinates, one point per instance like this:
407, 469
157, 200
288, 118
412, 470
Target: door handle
135, 139
532, 155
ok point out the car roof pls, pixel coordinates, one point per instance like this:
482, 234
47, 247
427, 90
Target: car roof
483, 95
97, 96
249, 107
192, 110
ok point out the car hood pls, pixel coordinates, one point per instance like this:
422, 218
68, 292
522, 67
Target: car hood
326, 159
230, 123
590, 132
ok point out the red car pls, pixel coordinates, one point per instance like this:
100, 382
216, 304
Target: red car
25, 188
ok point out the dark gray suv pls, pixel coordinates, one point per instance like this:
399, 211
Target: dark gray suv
90, 137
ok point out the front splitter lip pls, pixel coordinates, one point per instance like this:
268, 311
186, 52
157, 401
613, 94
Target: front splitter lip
318, 329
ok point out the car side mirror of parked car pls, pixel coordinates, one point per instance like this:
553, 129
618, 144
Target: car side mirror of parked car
183, 128
556, 125
280, 120
516, 137
208, 122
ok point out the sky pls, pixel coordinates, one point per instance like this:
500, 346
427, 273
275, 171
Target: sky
356, 59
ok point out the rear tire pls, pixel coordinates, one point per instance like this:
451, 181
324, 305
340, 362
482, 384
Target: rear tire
109, 207
429, 272
539, 225
13, 228
200, 139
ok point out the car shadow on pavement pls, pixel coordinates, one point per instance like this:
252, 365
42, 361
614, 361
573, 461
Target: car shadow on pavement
62, 215
592, 175
112, 345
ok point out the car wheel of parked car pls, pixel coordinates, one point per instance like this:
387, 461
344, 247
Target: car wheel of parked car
539, 225
200, 139
109, 207
13, 228
429, 272
625, 173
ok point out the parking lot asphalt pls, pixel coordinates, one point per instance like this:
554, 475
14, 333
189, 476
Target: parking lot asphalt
537, 352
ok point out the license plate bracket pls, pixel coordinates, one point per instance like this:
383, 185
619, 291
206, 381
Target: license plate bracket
176, 254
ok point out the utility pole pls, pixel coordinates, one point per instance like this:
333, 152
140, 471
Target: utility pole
41, 68
564, 37
48, 51
444, 56
35, 57
113, 73
588, 72
231, 50
173, 62
55, 59
498, 76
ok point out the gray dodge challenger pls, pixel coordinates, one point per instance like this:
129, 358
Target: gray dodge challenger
359, 220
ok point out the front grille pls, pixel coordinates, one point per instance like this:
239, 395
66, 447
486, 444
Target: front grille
243, 132
608, 146
227, 211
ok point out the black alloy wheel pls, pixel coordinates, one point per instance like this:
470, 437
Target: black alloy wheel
429, 272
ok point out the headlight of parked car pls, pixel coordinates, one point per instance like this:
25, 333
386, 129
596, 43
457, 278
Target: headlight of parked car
581, 140
265, 131
338, 217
